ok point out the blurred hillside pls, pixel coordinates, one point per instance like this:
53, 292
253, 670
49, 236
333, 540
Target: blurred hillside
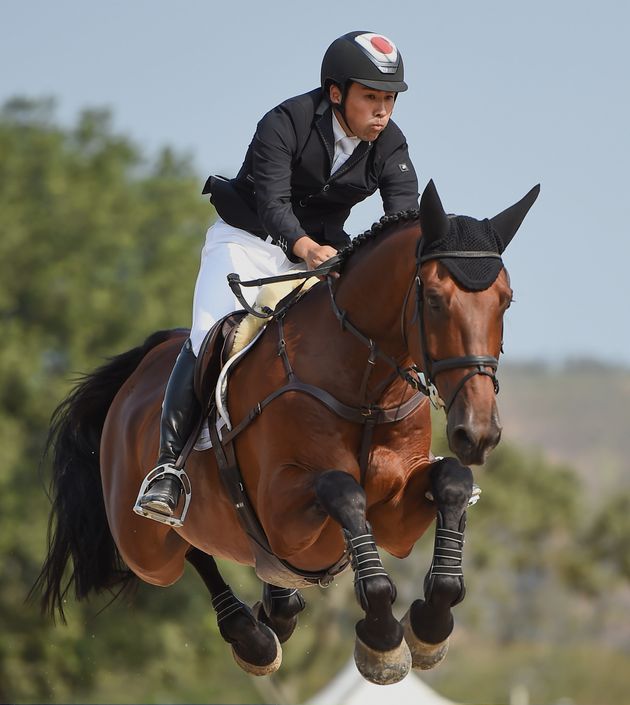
577, 413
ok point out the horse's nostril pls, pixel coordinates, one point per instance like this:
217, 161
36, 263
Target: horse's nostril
460, 439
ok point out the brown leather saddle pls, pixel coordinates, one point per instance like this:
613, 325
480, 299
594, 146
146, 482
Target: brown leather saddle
213, 354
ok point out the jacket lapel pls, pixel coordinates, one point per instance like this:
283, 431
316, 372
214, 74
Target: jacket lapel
323, 123
362, 149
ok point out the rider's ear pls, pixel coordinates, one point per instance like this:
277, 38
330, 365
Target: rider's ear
509, 221
433, 219
334, 92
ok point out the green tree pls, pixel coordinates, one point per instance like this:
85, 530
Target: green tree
99, 247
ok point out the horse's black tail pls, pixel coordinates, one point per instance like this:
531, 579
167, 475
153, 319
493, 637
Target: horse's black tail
78, 528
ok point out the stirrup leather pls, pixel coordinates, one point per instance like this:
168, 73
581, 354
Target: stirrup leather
158, 473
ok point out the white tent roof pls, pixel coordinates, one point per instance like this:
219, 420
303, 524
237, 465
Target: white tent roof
350, 688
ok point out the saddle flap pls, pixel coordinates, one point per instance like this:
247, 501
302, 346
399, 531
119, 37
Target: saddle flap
212, 356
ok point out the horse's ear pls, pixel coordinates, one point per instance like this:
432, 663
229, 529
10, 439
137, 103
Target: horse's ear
433, 219
509, 221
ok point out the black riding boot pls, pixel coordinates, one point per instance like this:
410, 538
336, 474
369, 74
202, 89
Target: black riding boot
179, 414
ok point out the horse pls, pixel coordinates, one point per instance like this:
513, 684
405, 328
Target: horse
335, 463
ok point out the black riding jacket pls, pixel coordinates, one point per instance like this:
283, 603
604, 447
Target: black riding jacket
284, 188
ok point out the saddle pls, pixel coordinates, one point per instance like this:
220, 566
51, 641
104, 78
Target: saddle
232, 334
213, 354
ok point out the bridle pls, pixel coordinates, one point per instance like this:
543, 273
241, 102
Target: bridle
432, 368
424, 380
421, 380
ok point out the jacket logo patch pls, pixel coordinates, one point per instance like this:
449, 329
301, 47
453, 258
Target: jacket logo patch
403, 167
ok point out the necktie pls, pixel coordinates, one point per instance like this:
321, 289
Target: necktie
346, 146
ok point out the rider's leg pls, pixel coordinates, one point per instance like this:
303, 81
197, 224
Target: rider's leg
227, 249
179, 414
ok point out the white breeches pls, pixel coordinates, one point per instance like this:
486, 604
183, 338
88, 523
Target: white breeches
228, 250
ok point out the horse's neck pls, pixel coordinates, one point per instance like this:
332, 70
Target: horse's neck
370, 295
373, 289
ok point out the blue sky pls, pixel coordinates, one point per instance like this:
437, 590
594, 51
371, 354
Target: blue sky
503, 95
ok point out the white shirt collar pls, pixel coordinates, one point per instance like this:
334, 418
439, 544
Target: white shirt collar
339, 132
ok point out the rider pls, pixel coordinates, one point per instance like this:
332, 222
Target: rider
312, 159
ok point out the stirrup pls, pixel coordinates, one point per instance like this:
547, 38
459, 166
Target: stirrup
158, 473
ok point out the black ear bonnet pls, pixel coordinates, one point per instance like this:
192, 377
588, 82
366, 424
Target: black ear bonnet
467, 234
484, 239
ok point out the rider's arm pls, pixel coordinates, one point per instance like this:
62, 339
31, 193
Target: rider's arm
398, 183
274, 148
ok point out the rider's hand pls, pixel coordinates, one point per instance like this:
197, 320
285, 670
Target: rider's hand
313, 253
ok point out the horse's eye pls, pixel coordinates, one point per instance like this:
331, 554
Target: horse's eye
433, 302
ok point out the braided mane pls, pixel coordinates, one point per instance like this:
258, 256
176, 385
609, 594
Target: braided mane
384, 223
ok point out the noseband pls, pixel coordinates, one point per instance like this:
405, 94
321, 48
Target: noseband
432, 368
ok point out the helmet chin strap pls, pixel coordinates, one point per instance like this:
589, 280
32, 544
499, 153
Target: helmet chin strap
340, 108
341, 105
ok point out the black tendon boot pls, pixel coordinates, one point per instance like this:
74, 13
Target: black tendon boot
179, 415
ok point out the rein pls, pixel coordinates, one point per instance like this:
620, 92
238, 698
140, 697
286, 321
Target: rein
420, 380
423, 381
235, 284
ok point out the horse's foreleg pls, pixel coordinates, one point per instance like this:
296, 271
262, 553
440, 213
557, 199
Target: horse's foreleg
380, 653
279, 609
254, 645
429, 622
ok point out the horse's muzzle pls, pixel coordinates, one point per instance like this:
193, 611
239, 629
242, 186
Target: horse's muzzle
472, 440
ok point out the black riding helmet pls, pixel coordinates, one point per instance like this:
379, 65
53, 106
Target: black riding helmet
366, 58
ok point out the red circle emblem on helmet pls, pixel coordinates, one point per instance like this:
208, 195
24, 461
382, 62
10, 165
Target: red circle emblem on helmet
381, 44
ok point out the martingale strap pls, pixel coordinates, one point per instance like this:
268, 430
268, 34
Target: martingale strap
230, 474
369, 417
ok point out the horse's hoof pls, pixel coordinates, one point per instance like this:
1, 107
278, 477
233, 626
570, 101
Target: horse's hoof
264, 669
382, 667
424, 656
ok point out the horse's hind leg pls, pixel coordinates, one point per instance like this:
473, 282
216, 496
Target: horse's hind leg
254, 645
380, 653
429, 622
279, 609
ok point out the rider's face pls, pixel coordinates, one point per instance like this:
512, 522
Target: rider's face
367, 111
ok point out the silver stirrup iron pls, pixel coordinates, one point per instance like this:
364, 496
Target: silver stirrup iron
157, 474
